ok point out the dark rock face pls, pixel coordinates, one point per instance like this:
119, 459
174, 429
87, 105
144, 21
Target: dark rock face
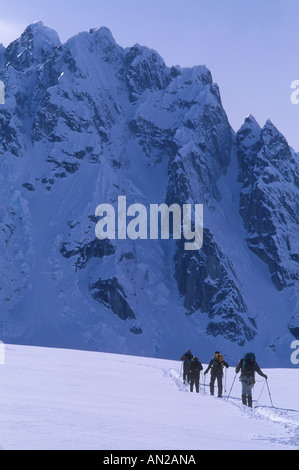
269, 202
207, 282
83, 253
145, 71
110, 293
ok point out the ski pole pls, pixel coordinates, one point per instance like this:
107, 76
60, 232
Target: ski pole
269, 393
181, 372
231, 386
261, 392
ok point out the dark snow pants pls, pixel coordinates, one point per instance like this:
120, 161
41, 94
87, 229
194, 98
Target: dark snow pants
247, 392
218, 376
186, 374
194, 380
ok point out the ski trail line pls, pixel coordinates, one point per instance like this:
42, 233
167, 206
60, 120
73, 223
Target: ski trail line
288, 419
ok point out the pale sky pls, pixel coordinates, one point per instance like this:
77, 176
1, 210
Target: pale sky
250, 46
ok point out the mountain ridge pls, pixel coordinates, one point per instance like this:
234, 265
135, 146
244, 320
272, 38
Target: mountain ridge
87, 121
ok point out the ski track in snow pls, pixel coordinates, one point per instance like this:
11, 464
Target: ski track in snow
70, 399
287, 418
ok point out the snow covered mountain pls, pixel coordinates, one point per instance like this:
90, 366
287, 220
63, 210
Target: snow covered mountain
88, 121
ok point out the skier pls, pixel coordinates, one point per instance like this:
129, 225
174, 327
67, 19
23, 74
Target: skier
216, 366
194, 372
248, 366
187, 358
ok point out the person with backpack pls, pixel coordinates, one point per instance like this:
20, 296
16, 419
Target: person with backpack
194, 373
248, 366
216, 365
187, 358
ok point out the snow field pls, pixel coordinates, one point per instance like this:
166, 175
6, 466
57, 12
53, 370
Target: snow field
70, 399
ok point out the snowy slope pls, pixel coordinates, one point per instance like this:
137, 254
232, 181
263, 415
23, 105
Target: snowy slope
66, 399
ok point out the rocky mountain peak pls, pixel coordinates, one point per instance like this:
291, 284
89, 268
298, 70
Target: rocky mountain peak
34, 46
